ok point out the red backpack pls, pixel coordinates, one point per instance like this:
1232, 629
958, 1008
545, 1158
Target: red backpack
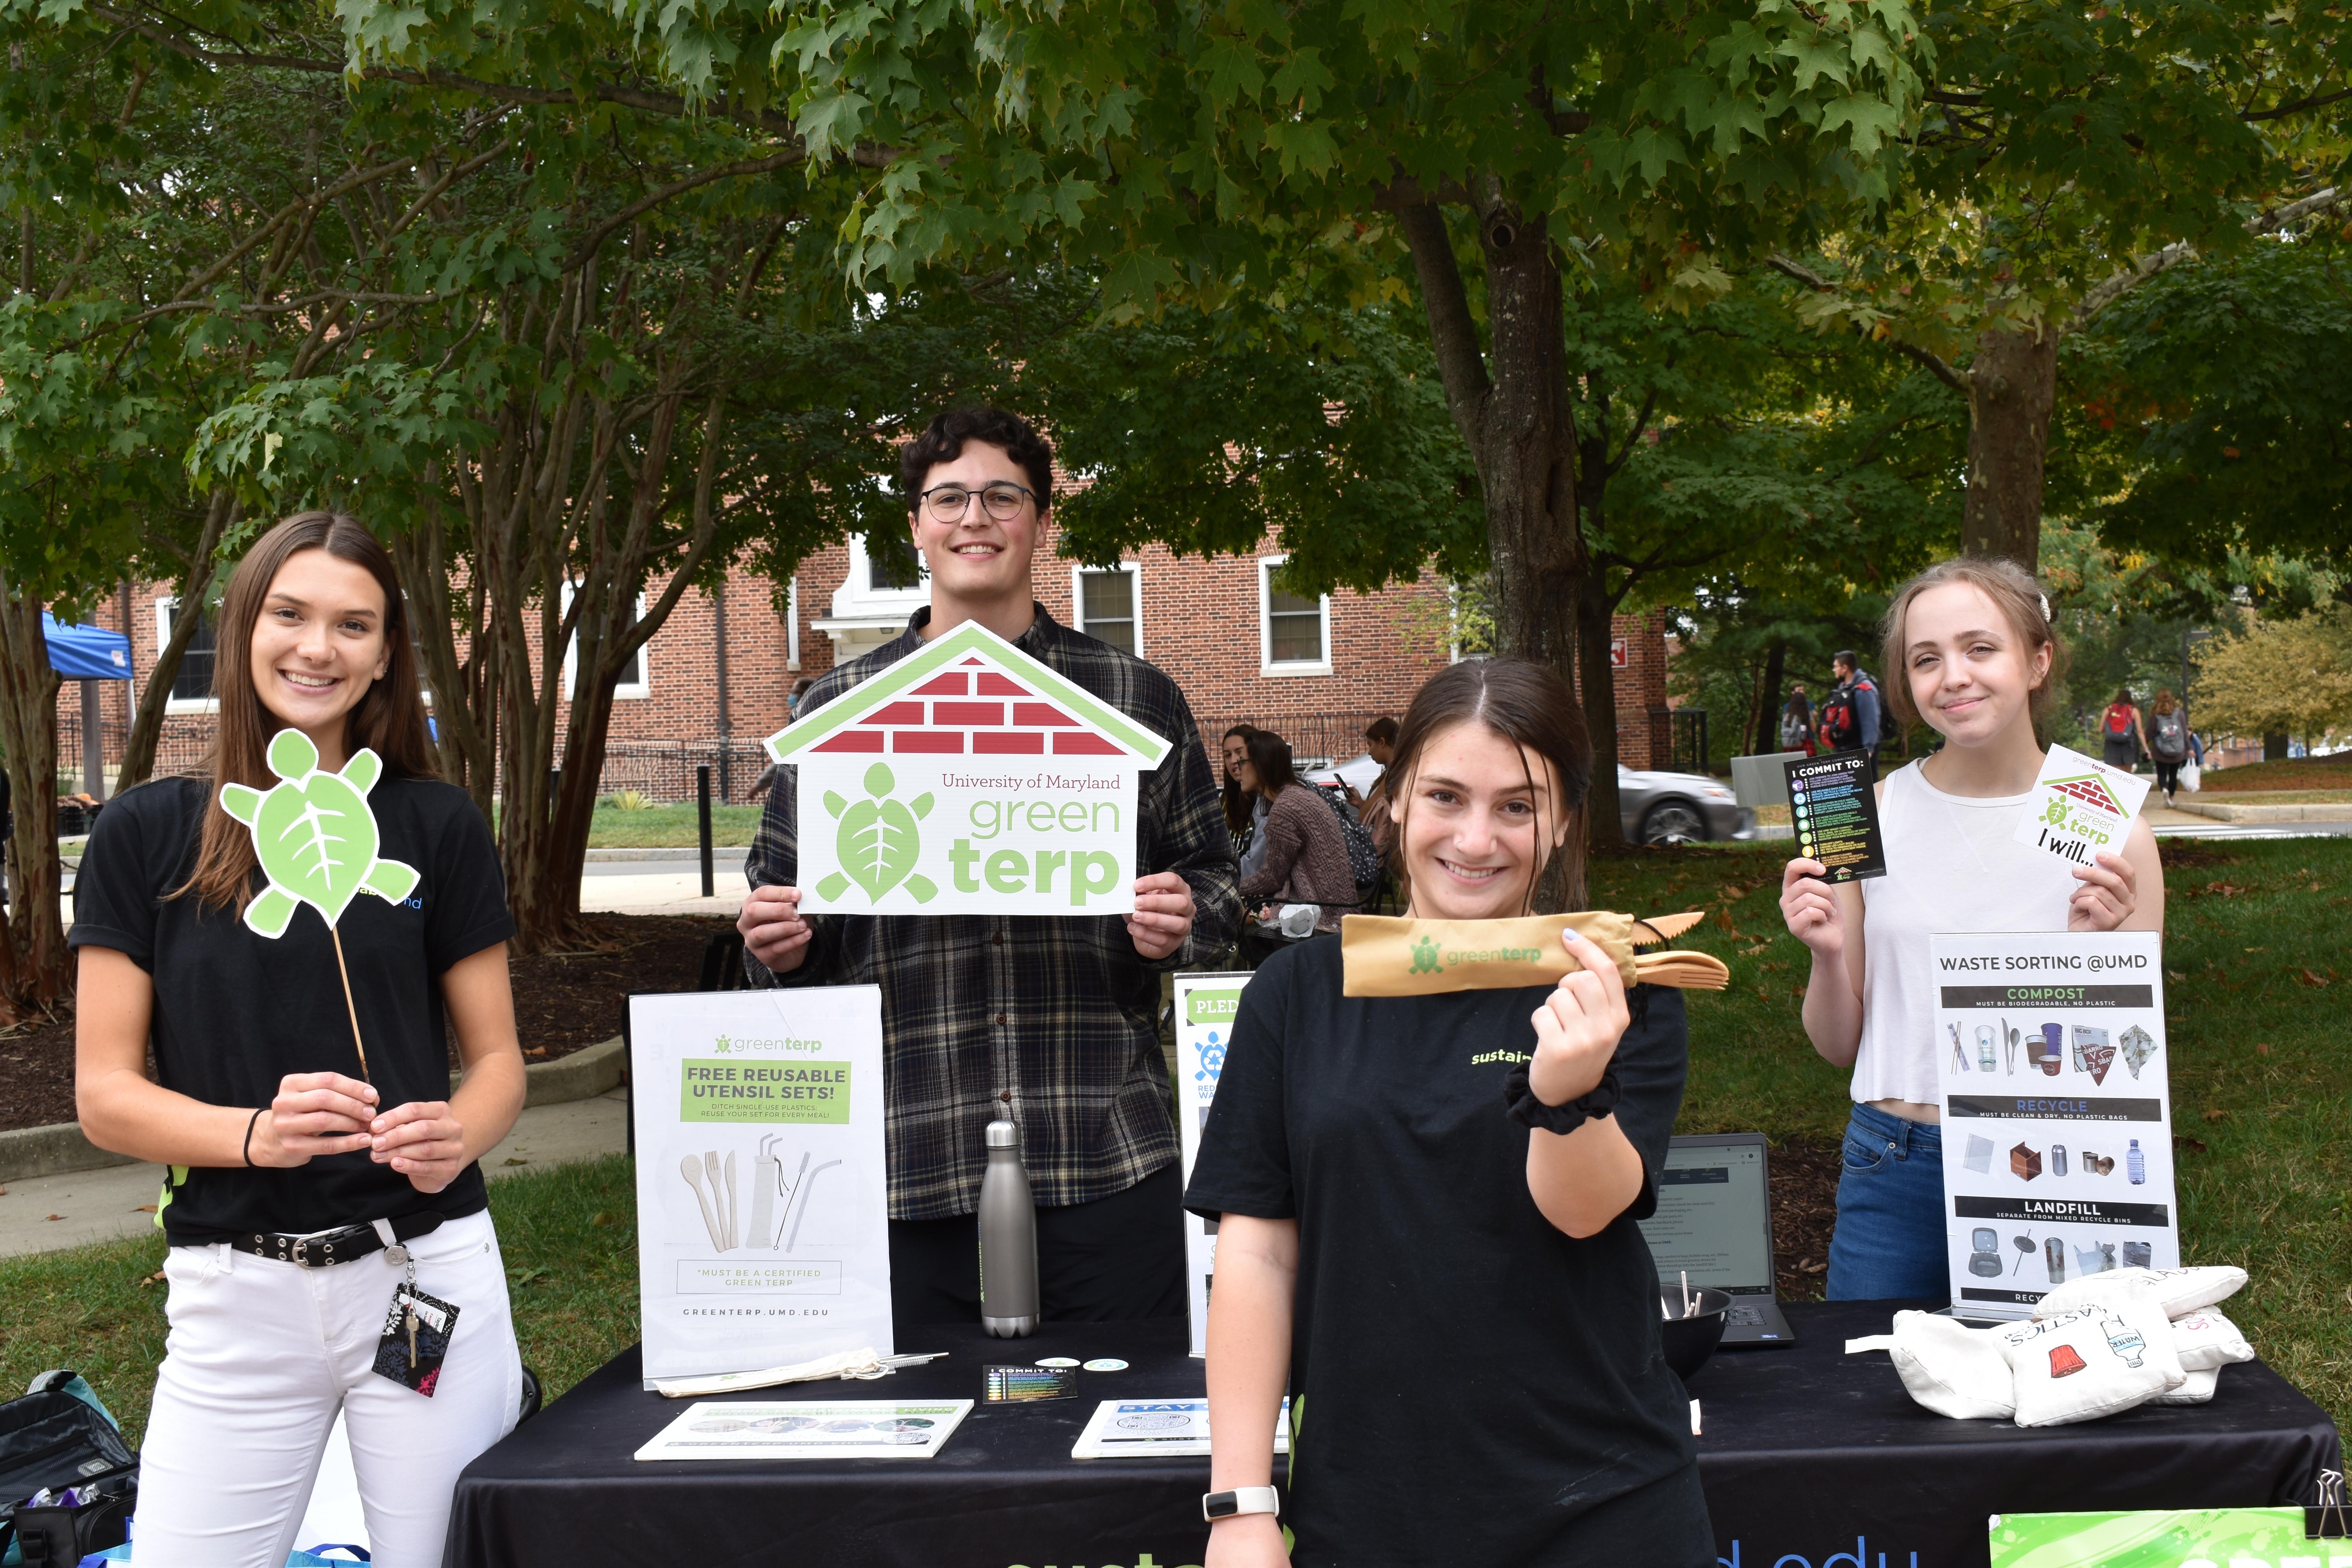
2119, 720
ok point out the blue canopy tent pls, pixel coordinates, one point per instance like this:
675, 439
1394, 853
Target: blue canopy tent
89, 655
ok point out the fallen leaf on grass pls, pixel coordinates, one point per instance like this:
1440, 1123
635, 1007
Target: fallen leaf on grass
2193, 1145
536, 1051
1752, 951
2174, 974
2308, 978
1809, 1267
518, 1161
2262, 1048
57, 1216
601, 1220
2224, 890
2217, 1116
154, 1279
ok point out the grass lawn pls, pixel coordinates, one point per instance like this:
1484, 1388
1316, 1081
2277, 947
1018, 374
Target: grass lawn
2300, 772
2258, 934
668, 827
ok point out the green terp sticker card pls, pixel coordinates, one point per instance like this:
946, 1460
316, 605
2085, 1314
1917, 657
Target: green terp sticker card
2171, 1538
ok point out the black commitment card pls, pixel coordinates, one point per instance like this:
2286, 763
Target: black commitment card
1006, 1383
1835, 813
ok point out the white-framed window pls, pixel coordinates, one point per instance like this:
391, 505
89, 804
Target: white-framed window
896, 574
192, 684
636, 675
792, 622
1294, 633
1107, 603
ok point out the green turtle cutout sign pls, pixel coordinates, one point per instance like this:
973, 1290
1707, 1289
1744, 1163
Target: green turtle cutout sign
968, 778
316, 838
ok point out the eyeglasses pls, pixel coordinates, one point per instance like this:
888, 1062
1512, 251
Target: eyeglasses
948, 503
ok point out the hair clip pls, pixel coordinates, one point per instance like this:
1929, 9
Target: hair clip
2045, 607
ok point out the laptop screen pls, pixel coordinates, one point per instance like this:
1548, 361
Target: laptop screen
1714, 1218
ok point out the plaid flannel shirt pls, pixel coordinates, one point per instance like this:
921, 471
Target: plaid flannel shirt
1061, 1011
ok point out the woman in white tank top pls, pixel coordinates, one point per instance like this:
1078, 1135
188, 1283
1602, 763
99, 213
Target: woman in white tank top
1970, 652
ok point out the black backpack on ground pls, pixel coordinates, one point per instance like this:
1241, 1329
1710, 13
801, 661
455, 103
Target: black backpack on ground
55, 1437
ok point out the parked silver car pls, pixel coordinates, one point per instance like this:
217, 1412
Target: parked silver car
1679, 808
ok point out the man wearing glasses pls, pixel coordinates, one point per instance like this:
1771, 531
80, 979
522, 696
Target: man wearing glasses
1054, 1020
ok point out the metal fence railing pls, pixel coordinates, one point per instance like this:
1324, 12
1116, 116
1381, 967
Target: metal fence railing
665, 773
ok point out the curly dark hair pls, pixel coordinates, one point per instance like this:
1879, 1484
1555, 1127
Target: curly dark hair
943, 441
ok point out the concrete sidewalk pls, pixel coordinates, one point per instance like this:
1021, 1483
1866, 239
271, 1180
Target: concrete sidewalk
668, 887
45, 1214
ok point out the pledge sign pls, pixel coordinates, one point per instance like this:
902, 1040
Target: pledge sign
968, 779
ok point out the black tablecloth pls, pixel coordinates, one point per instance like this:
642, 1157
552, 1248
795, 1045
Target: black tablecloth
1811, 1458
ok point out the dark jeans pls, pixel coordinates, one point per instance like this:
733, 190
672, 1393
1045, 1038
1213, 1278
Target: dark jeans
2167, 775
1117, 1257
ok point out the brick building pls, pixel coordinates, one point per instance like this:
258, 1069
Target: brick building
717, 678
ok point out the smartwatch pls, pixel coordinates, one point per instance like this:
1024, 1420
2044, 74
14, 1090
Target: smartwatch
1215, 1506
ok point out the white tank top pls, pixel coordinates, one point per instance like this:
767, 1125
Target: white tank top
1951, 866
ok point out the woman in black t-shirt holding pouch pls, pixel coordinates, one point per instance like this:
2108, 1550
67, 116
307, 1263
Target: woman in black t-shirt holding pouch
309, 1181
1427, 1209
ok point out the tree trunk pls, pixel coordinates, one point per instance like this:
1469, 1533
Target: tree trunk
2013, 387
147, 722
1596, 688
1767, 739
2274, 744
1509, 400
36, 971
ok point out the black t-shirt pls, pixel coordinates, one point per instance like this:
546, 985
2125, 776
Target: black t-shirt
1465, 1378
235, 1012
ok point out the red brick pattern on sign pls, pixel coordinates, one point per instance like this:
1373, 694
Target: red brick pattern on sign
955, 726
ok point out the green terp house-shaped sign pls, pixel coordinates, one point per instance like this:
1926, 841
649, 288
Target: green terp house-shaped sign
968, 779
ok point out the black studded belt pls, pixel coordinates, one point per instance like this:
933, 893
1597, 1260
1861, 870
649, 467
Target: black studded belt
330, 1247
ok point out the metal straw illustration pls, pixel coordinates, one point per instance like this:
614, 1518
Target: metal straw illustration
316, 838
800, 1202
775, 1238
690, 1167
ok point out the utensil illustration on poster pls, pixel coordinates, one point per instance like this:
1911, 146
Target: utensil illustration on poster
770, 1245
2066, 1156
1205, 1007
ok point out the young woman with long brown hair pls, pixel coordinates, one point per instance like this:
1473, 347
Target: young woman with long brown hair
1456, 1296
309, 1182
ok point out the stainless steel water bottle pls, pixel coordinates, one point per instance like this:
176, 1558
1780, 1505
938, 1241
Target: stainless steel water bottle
1008, 1239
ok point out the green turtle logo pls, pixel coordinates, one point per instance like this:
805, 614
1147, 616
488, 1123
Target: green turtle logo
721, 1045
1424, 956
315, 837
878, 842
2054, 813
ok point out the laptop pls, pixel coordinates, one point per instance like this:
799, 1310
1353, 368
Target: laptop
1715, 1219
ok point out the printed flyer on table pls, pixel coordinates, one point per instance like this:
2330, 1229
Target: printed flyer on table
762, 1238
2057, 1113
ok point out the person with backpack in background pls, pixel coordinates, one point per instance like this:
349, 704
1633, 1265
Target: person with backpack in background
2122, 736
1851, 713
1796, 721
2167, 740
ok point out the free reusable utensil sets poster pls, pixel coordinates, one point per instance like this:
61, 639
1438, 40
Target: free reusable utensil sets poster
2050, 1050
762, 1236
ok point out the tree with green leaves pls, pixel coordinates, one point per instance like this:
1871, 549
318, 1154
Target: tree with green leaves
1193, 157
2068, 155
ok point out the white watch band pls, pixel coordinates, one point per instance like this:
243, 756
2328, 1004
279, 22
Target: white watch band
1215, 1506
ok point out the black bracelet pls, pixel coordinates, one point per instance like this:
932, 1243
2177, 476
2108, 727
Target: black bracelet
1562, 1119
250, 1121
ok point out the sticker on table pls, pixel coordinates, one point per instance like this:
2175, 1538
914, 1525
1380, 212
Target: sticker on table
1835, 813
2080, 808
840, 1429
1058, 1360
1106, 1363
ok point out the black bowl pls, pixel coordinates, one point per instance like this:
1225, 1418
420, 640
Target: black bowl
1690, 1341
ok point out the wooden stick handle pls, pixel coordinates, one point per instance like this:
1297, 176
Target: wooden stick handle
356, 1042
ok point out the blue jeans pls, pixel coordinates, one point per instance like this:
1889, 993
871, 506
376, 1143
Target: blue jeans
1889, 1243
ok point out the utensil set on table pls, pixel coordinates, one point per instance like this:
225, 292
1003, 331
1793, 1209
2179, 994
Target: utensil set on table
715, 1190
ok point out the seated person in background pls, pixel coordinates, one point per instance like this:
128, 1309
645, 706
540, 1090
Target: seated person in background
1380, 744
1306, 858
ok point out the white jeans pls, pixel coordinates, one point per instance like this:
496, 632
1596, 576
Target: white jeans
261, 1357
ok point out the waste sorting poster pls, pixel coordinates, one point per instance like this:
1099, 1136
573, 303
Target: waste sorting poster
762, 1231
1205, 1008
2057, 1111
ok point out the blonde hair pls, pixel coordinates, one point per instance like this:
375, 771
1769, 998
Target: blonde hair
2013, 591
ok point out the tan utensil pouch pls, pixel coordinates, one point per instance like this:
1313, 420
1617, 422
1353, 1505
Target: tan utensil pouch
1384, 956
